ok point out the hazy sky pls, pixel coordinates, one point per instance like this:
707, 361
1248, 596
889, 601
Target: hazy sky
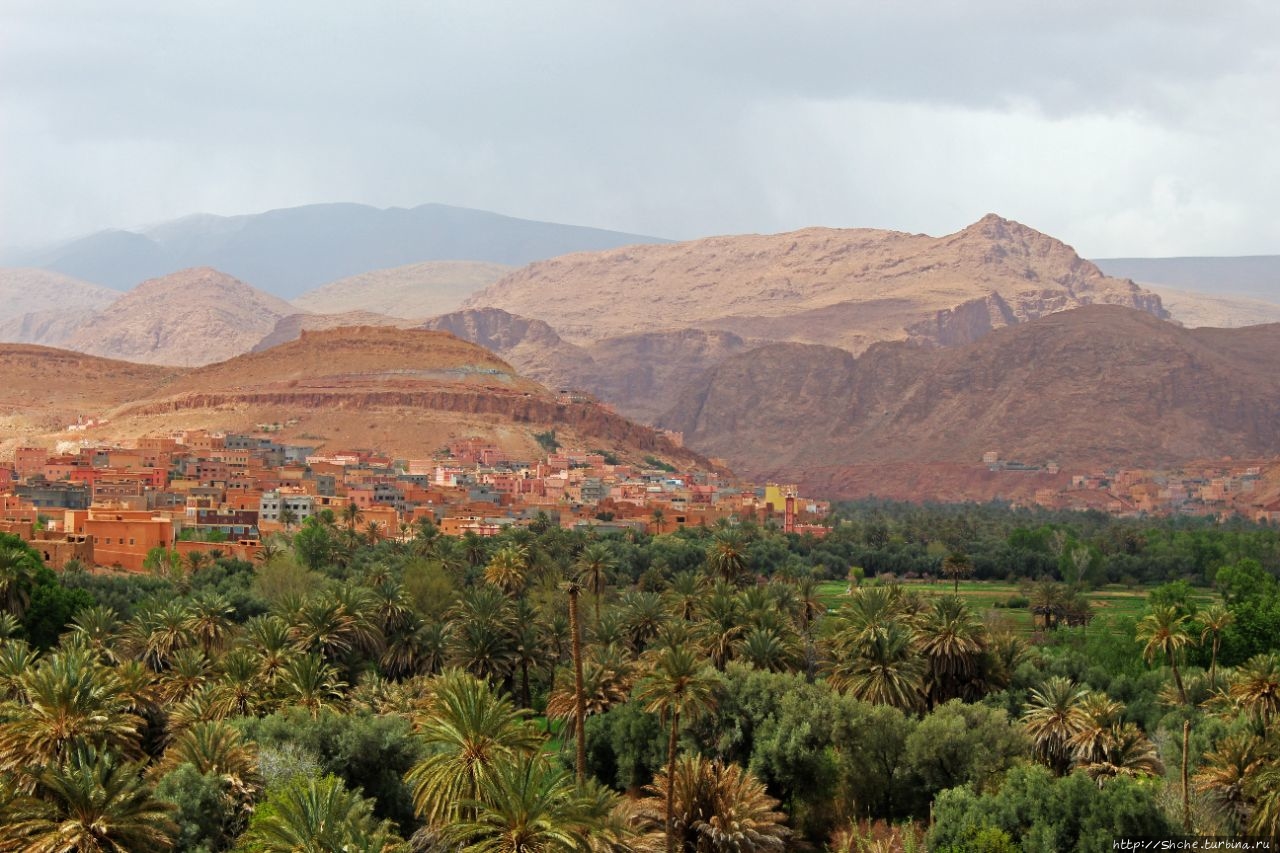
1140, 128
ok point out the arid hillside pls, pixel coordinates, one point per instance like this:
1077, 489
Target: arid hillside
413, 291
192, 317
44, 390
407, 392
843, 288
1096, 385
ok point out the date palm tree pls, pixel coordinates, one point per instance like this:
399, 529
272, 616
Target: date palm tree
1264, 787
483, 637
880, 666
1054, 716
1213, 620
92, 803
643, 615
727, 555
268, 639
957, 566
1125, 751
318, 816
508, 569
99, 628
1255, 688
215, 747
308, 682
525, 805
593, 566
209, 621
952, 640
721, 625
65, 702
1226, 777
468, 731
717, 807
1100, 714
18, 567
771, 650
1164, 633
678, 686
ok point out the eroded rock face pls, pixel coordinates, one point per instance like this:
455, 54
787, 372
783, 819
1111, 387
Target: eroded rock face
1096, 385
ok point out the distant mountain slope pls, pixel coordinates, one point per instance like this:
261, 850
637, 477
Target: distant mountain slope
191, 317
413, 291
1256, 276
41, 307
1099, 384
1195, 309
847, 288
290, 251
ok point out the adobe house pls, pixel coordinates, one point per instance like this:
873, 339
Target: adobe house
57, 549
122, 537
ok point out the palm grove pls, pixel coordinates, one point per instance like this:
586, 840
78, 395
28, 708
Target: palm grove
699, 690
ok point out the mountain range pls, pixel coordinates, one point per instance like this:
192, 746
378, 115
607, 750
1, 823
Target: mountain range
854, 361
289, 251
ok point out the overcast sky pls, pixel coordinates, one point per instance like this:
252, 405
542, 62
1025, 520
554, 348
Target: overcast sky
1140, 128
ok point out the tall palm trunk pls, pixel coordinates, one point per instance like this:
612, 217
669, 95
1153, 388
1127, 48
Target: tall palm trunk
671, 782
1177, 677
1213, 663
579, 700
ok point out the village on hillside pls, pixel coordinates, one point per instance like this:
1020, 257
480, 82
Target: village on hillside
110, 506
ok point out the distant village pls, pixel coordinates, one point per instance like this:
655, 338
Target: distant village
110, 506
1248, 488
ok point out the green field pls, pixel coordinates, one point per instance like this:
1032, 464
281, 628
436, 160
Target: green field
1109, 601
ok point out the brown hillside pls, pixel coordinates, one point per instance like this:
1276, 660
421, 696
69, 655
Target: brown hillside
413, 291
1096, 385
43, 390
845, 288
192, 317
407, 392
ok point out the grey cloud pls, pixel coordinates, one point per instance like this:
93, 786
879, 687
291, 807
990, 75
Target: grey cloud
677, 119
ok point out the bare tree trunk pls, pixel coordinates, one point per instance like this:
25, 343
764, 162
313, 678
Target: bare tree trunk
671, 782
1186, 799
1177, 678
579, 700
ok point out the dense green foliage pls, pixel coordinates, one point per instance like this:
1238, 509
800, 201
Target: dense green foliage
375, 693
